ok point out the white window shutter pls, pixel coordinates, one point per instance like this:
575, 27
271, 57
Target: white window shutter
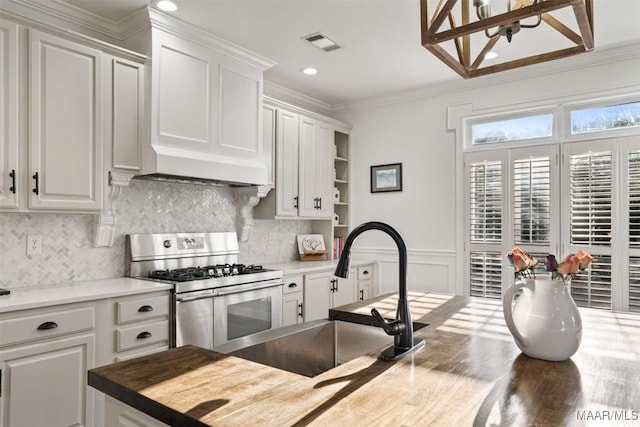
589, 204
532, 201
633, 206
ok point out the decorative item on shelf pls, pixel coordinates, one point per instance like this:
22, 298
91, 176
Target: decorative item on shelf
335, 175
335, 151
336, 219
454, 43
386, 178
544, 321
338, 245
336, 195
311, 247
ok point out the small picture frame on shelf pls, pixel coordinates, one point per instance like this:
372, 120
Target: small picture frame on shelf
386, 178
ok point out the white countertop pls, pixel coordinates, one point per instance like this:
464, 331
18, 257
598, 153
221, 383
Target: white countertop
23, 298
302, 267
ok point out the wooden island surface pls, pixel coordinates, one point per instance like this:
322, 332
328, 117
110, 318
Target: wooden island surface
469, 373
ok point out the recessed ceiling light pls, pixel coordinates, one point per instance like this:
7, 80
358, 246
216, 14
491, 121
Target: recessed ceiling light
167, 5
309, 71
491, 54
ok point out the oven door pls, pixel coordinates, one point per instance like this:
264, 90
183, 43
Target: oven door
194, 318
239, 311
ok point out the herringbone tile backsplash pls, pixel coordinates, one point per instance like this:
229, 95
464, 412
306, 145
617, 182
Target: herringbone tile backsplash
144, 207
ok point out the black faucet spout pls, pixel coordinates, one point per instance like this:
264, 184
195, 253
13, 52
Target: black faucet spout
402, 327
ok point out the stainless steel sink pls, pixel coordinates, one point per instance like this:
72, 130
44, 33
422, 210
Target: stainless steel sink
309, 348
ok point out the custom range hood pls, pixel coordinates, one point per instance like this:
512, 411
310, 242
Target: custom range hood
205, 108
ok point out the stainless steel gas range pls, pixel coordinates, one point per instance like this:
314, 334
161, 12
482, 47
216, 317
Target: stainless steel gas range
216, 300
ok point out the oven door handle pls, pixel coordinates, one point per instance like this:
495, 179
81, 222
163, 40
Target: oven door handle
232, 291
187, 299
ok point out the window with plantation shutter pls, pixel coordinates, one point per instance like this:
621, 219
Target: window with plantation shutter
590, 198
556, 193
485, 202
634, 284
590, 214
532, 200
486, 275
633, 180
485, 207
634, 199
592, 288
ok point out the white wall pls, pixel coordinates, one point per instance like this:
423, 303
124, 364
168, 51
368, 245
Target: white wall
413, 131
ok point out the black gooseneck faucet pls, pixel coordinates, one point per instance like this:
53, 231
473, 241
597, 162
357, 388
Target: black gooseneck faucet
402, 327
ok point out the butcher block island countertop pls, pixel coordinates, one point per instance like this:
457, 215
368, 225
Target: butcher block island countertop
469, 373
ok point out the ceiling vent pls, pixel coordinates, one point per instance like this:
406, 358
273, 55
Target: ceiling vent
321, 41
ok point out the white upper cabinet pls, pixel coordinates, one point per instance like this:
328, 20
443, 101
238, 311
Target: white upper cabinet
287, 135
65, 124
315, 171
127, 129
303, 168
9, 168
72, 109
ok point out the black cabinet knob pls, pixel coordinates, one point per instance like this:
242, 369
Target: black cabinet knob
143, 335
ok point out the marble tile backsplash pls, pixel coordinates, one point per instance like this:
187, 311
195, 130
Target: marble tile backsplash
144, 207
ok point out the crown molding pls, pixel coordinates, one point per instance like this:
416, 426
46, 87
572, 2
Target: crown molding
15, 11
290, 96
618, 53
295, 108
178, 27
79, 18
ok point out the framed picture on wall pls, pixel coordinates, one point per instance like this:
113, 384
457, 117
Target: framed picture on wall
386, 178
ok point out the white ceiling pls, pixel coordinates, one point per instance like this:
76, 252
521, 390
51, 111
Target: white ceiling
382, 51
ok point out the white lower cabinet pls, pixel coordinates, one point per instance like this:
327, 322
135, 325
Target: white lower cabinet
130, 326
45, 354
365, 282
44, 358
323, 291
119, 414
292, 300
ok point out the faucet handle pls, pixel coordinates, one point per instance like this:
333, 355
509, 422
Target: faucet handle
395, 327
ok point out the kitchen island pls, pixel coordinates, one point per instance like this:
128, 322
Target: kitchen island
469, 373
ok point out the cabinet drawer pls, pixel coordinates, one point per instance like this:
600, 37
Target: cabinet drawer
45, 325
292, 284
142, 308
141, 335
365, 272
140, 353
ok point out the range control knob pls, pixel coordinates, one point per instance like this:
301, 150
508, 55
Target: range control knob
166, 243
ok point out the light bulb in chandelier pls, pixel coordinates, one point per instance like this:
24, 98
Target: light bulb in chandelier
483, 11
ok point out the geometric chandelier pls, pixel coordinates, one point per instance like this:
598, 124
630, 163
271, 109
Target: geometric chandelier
474, 22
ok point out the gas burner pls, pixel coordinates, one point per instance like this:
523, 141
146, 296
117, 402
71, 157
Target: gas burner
207, 272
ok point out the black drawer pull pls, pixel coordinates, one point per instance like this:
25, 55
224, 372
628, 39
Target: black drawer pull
13, 181
143, 335
47, 325
145, 309
36, 178
293, 285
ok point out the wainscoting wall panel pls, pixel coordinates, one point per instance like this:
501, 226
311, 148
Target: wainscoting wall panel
427, 270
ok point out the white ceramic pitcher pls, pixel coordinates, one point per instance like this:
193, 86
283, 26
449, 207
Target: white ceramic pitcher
544, 321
